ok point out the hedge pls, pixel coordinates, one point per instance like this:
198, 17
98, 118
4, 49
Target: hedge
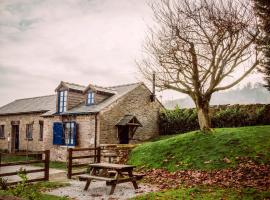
185, 120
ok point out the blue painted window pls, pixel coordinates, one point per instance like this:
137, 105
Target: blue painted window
62, 101
29, 131
64, 133
90, 98
58, 133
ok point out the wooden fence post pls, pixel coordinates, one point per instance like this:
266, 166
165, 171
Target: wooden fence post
98, 154
47, 165
0, 158
69, 173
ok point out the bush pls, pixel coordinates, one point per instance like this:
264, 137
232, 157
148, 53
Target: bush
185, 120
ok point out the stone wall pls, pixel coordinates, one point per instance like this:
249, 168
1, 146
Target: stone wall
116, 153
85, 134
137, 102
32, 145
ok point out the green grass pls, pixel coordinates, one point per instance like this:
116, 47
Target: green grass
206, 193
195, 150
53, 164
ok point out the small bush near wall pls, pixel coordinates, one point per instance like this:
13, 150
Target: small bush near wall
184, 120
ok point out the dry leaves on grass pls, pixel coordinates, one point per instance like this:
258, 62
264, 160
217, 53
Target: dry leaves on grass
246, 174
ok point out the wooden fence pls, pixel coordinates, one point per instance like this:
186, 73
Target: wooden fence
88, 153
45, 161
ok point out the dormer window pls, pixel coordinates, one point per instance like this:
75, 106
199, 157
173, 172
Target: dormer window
62, 101
90, 98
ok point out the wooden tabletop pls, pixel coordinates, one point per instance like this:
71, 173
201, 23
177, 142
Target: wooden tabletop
111, 166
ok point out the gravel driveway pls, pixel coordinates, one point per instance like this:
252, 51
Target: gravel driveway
99, 190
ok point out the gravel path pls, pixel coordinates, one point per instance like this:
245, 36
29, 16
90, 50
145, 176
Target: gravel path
99, 190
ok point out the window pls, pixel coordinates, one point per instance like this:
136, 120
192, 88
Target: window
2, 131
90, 98
41, 126
64, 133
62, 101
29, 131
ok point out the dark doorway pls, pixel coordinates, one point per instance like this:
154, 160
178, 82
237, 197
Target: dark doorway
16, 136
123, 134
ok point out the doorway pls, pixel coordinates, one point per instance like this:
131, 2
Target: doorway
16, 137
123, 134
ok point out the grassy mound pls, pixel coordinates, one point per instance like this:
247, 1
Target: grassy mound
223, 148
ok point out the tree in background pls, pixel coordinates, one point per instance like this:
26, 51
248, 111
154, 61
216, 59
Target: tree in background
262, 8
197, 47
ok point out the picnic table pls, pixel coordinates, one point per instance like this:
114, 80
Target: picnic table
113, 174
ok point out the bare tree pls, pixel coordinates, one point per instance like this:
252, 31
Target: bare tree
196, 46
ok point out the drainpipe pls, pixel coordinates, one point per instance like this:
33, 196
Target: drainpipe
95, 137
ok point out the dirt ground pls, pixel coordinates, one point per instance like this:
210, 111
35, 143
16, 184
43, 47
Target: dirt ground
99, 190
53, 172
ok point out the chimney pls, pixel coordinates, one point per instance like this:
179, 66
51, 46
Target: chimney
153, 95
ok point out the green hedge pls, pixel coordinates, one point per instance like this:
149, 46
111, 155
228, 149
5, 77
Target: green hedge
185, 120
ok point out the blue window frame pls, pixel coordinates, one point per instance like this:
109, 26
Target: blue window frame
62, 101
64, 133
90, 98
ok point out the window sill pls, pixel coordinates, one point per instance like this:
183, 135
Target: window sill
2, 138
29, 139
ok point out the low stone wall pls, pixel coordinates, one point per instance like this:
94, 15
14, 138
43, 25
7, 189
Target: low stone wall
116, 153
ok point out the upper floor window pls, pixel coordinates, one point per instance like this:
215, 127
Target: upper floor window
90, 98
29, 131
2, 131
62, 101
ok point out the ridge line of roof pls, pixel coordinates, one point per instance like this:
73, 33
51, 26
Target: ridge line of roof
74, 84
140, 82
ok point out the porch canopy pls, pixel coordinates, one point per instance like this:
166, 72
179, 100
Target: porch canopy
129, 120
127, 127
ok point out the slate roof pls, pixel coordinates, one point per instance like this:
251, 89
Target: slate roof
120, 91
47, 104
29, 105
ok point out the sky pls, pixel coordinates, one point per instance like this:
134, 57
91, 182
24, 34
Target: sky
43, 42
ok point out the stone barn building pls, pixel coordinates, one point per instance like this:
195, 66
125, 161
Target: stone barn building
79, 116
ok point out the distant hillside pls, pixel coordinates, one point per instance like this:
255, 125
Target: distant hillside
247, 95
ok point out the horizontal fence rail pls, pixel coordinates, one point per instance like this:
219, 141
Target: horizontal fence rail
45, 161
89, 153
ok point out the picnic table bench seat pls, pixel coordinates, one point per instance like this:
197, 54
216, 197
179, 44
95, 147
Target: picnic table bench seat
85, 177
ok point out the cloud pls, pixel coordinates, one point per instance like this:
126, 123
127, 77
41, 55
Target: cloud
45, 41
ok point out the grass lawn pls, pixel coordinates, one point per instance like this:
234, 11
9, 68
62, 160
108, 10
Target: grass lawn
195, 150
206, 193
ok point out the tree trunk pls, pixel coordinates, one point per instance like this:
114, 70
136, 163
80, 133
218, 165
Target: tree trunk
203, 117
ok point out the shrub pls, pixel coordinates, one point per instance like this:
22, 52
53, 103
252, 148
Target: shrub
185, 120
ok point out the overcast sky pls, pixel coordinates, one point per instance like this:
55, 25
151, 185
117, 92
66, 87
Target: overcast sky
83, 41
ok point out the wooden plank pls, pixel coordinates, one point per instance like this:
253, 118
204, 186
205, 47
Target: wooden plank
27, 172
21, 163
23, 153
47, 165
78, 173
81, 157
84, 149
80, 165
86, 176
111, 166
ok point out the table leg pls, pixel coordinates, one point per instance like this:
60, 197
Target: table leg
133, 182
113, 188
87, 184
